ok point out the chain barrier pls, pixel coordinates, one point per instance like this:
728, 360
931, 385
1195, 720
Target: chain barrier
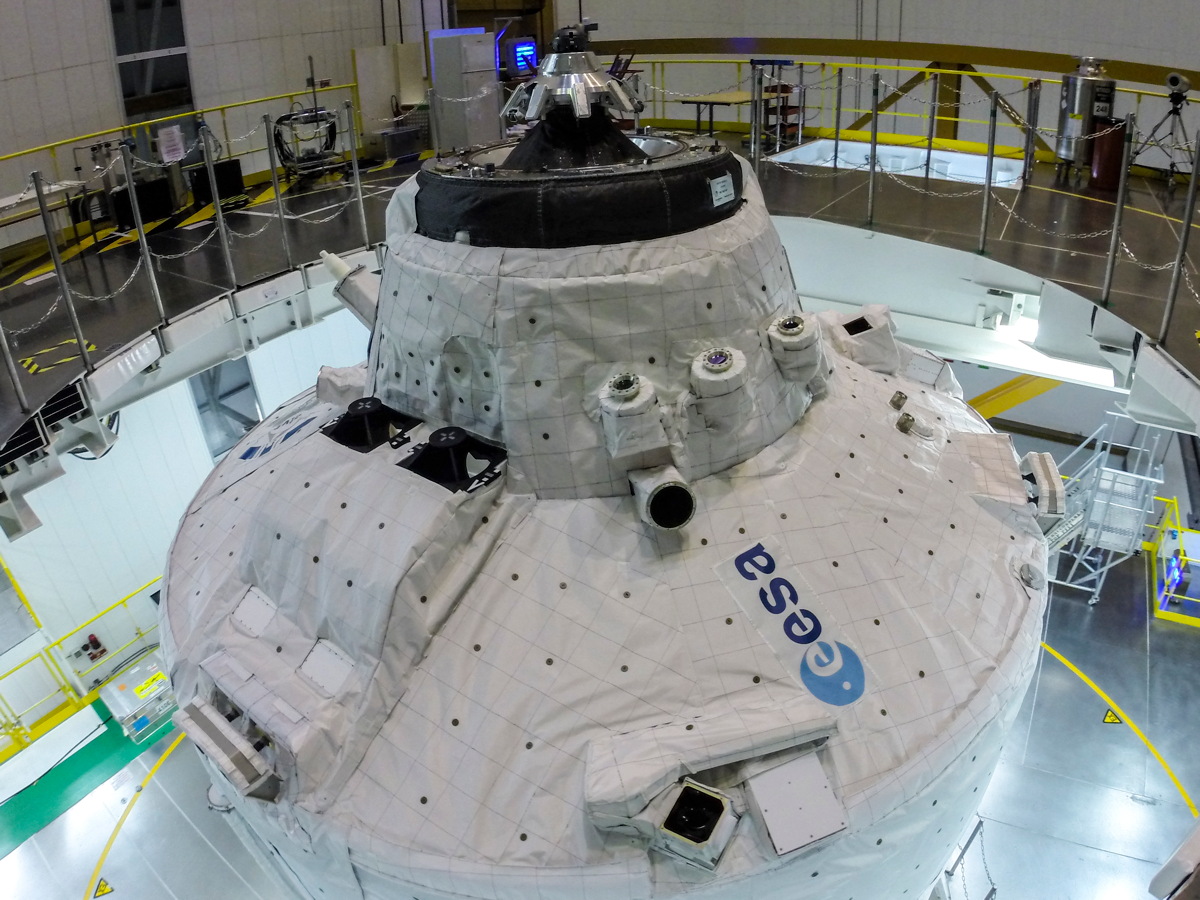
684, 95
211, 234
1141, 265
987, 870
18, 332
252, 234
329, 218
151, 164
984, 99
249, 134
21, 197
791, 170
1187, 280
921, 190
478, 95
1053, 132
1080, 235
399, 118
88, 298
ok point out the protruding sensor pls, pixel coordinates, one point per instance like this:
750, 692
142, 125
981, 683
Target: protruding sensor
1178, 83
664, 499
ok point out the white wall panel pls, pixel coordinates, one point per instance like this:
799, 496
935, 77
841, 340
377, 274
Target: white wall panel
108, 522
288, 365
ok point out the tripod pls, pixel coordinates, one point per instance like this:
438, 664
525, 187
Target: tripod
1169, 142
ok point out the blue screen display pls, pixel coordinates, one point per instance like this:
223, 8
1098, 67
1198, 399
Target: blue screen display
525, 56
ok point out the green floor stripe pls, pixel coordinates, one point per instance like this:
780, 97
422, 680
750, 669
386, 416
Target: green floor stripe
70, 781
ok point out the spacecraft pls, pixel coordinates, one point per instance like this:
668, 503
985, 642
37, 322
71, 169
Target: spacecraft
612, 573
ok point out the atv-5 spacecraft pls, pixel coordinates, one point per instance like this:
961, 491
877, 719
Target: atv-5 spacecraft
612, 573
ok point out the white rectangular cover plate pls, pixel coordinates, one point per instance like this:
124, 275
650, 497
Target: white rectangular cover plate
327, 667
254, 613
797, 627
797, 804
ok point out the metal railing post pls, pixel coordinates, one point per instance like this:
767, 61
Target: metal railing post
1115, 243
988, 171
874, 148
1032, 110
358, 191
143, 245
273, 162
756, 101
1189, 212
11, 365
56, 257
837, 119
206, 139
933, 111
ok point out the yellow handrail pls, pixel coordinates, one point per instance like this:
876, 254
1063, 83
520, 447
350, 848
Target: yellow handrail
84, 138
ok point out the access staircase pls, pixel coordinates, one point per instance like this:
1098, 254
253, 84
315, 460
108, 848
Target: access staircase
1108, 502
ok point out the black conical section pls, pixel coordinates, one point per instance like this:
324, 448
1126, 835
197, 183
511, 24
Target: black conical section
561, 141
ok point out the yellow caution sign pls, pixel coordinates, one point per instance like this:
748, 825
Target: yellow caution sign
47, 359
1111, 718
149, 685
103, 888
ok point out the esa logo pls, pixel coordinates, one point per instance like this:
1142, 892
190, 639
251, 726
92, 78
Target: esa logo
832, 672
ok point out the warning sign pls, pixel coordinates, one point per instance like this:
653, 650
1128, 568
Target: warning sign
1111, 718
102, 888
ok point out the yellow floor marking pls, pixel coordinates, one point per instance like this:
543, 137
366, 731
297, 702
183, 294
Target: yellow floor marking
1113, 708
1014, 392
1144, 212
202, 216
93, 882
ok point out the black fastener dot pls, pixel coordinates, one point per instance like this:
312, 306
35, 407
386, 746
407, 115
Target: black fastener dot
549, 661
689, 727
457, 370
545, 436
278, 649
729, 621
524, 836
876, 621
306, 484
783, 515
349, 582
921, 674
487, 408
532, 320
477, 648
652, 360
757, 679
624, 668
708, 306
316, 559
380, 526
537, 383
703, 542
562, 585
529, 745
625, 594
837, 474
930, 552
454, 722
515, 576
424, 799
423, 598
885, 520
741, 531
343, 506
883, 712
878, 842
835, 563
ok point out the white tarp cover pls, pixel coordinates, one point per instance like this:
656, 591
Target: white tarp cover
503, 638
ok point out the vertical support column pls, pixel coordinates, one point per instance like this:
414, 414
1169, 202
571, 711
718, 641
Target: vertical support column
274, 163
143, 244
14, 376
56, 257
358, 192
988, 171
933, 118
1032, 111
206, 141
874, 148
756, 111
837, 119
1189, 212
1122, 188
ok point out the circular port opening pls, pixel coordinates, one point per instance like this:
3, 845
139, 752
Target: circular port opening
671, 506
